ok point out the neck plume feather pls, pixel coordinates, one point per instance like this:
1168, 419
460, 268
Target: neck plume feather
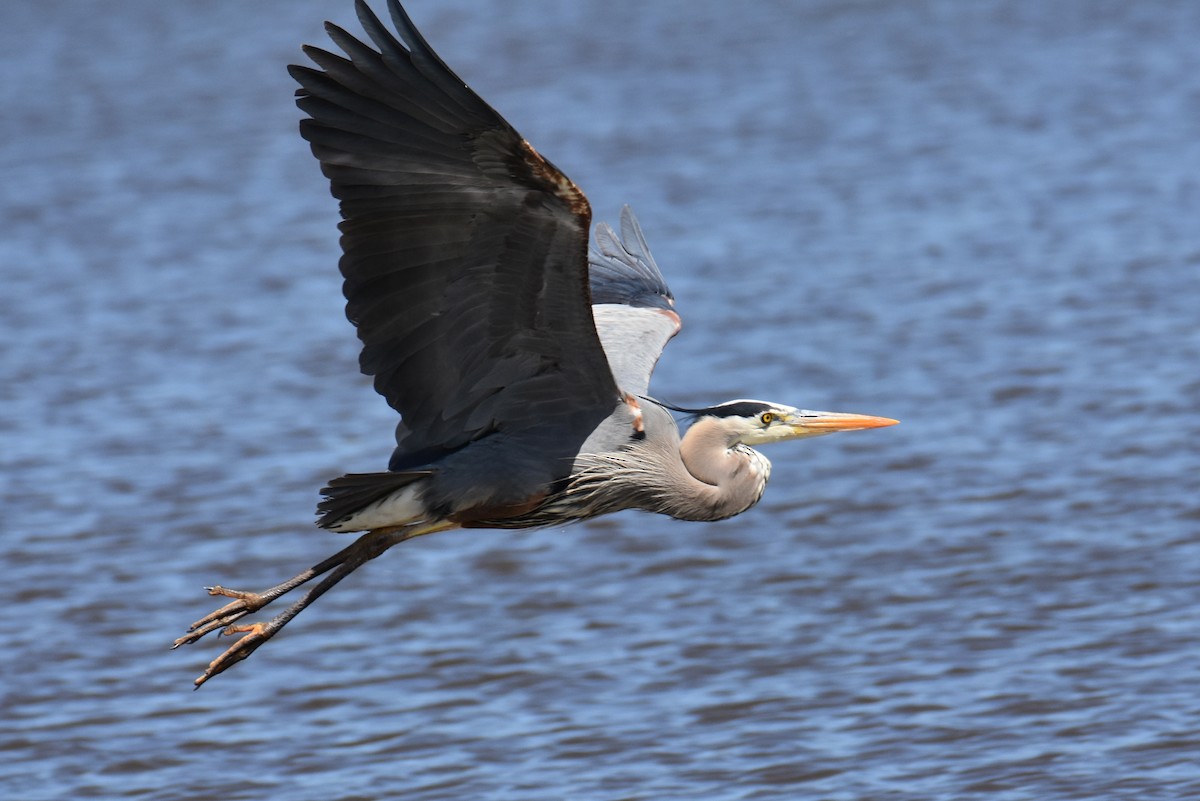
706, 476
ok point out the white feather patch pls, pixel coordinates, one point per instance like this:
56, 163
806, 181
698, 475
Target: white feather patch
401, 508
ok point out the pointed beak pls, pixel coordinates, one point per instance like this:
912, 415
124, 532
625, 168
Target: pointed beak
829, 422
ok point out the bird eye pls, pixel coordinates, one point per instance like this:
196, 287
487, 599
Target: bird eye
766, 418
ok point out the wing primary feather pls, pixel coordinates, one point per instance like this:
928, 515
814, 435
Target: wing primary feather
465, 263
622, 270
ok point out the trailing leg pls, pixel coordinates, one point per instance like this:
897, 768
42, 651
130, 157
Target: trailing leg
343, 563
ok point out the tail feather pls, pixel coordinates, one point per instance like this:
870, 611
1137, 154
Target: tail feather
351, 493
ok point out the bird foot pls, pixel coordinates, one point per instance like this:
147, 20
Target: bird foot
244, 603
341, 564
253, 635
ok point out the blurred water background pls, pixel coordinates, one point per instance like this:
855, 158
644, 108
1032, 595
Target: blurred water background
982, 218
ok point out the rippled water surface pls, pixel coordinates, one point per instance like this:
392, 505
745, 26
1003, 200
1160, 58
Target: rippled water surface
981, 218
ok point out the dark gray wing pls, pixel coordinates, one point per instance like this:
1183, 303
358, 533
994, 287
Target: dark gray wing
633, 308
465, 252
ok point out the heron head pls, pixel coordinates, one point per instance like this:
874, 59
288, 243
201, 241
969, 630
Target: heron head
755, 422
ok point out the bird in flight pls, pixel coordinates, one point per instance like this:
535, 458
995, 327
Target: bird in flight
518, 359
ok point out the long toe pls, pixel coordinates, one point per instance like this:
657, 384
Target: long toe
244, 603
253, 635
210, 623
253, 600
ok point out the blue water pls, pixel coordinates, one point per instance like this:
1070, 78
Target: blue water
979, 218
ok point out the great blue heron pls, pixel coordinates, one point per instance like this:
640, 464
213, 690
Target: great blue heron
518, 361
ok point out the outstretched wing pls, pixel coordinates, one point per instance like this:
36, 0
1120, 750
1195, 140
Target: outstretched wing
465, 252
632, 305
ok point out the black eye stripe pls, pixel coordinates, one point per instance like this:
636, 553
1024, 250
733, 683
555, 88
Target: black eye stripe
739, 409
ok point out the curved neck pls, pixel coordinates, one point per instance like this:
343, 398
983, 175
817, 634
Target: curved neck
706, 475
727, 478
